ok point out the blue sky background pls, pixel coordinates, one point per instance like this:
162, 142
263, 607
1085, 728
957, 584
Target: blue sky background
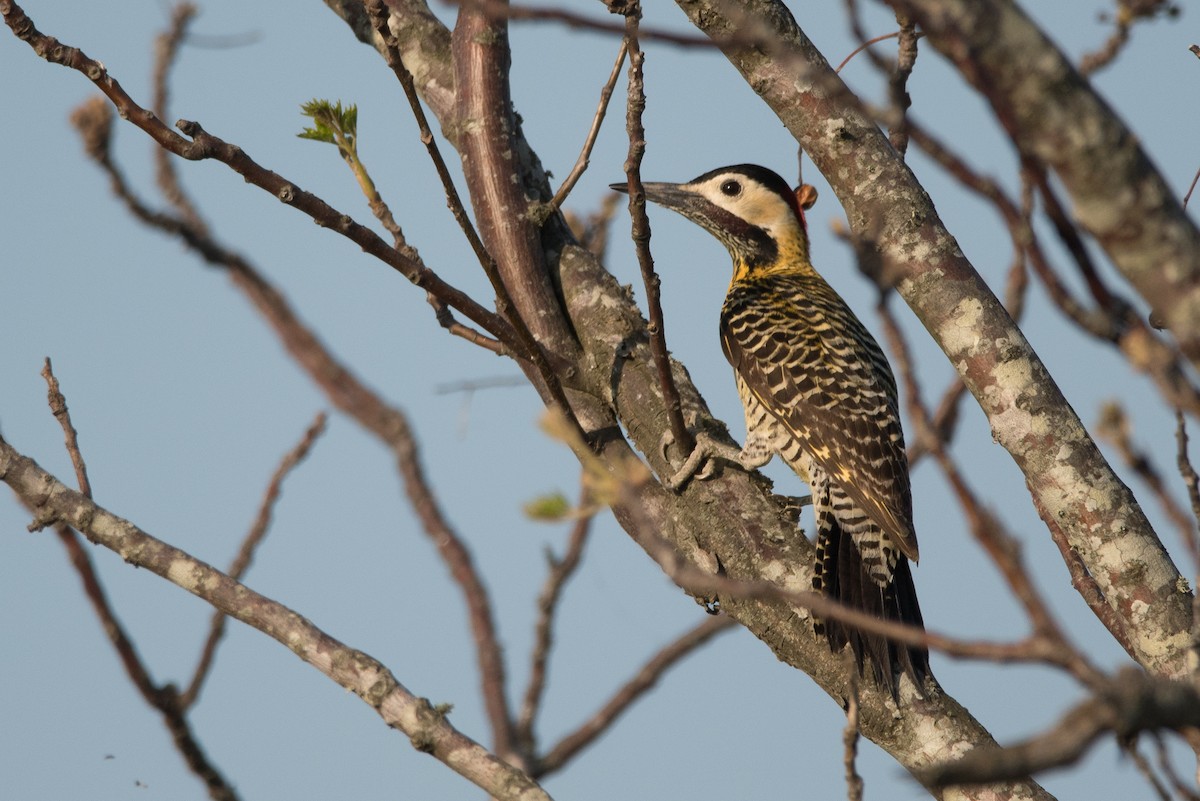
185, 403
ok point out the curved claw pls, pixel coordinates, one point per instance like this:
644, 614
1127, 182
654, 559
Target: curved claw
664, 445
701, 462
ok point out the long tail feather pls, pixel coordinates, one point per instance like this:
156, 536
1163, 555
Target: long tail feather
841, 576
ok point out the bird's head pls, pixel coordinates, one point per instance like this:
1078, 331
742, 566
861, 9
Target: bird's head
750, 209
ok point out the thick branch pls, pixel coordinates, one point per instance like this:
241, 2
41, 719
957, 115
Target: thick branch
496, 179
1067, 475
423, 41
1052, 114
733, 525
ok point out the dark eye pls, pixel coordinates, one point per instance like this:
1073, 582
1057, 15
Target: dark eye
731, 188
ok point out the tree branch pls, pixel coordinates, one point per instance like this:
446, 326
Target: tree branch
426, 726
203, 145
887, 208
165, 699
241, 562
548, 603
1054, 115
1131, 702
636, 105
631, 691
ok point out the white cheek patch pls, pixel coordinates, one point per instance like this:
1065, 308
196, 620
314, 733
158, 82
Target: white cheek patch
756, 204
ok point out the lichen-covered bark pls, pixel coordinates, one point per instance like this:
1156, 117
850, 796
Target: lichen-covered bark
730, 522
426, 727
1072, 485
1052, 113
424, 41
734, 523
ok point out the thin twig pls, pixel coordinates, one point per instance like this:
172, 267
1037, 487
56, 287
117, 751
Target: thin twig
1186, 792
1191, 481
906, 59
497, 10
1128, 13
162, 698
548, 603
592, 231
1130, 749
1128, 703
585, 155
1191, 188
631, 691
863, 46
197, 144
58, 407
850, 735
426, 727
456, 556
641, 236
166, 52
1114, 425
528, 347
241, 562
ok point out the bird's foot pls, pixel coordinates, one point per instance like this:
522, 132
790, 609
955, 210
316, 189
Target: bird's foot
701, 462
792, 505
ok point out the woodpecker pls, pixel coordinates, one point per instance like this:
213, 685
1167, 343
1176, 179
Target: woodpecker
816, 389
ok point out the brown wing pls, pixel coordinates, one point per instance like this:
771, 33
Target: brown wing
808, 359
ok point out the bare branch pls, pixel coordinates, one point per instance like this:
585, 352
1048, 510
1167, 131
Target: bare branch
1130, 702
1186, 792
500, 10
426, 726
509, 242
863, 46
854, 782
1191, 481
1128, 13
585, 155
203, 145
241, 562
457, 558
58, 407
164, 698
1053, 115
560, 571
641, 235
1131, 750
632, 690
166, 50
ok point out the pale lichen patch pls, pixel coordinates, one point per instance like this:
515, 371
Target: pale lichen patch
960, 333
183, 573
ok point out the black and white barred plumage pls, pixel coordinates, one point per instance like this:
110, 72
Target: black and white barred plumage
817, 390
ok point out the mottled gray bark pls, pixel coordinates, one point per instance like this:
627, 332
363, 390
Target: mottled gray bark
1073, 486
1053, 114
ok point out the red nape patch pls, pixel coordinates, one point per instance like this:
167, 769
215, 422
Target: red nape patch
801, 199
